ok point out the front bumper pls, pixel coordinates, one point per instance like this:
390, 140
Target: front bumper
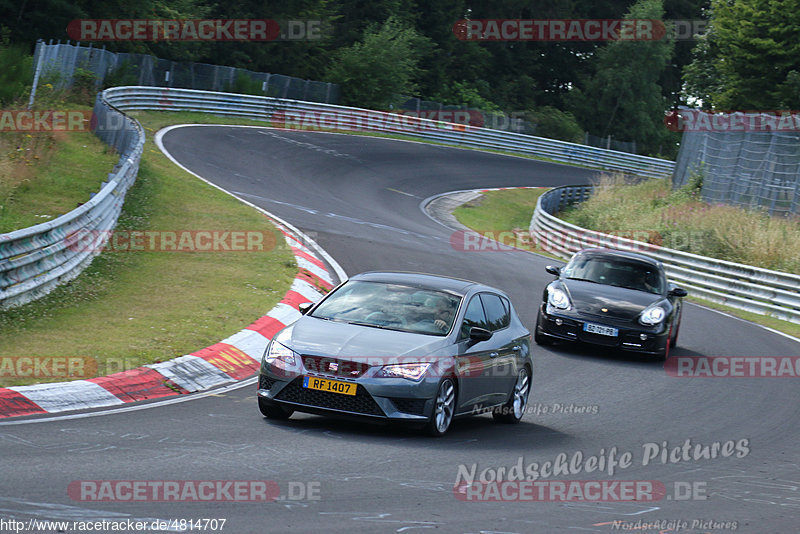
387, 399
571, 328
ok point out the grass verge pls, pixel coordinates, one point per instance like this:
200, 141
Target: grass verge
506, 211
678, 219
503, 211
46, 174
146, 307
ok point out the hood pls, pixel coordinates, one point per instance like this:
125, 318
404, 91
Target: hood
310, 335
621, 303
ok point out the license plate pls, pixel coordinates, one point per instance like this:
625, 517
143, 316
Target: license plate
331, 386
600, 329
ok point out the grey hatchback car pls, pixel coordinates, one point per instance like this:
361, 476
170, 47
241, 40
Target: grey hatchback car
401, 347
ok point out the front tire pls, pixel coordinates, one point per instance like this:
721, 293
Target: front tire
513, 410
273, 411
444, 408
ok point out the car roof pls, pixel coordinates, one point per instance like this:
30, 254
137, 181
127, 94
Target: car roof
424, 281
610, 253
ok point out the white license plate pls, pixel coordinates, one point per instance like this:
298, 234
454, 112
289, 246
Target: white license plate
600, 329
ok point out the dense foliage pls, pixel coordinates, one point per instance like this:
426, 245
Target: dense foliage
381, 49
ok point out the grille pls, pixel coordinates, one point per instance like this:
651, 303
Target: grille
412, 406
362, 402
265, 382
344, 368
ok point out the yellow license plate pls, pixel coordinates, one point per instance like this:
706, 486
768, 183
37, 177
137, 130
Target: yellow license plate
332, 386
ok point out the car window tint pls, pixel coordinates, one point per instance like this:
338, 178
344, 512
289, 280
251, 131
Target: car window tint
496, 315
474, 316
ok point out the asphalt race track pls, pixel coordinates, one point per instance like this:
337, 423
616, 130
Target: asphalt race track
360, 198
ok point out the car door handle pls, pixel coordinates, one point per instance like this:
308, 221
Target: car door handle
516, 348
494, 354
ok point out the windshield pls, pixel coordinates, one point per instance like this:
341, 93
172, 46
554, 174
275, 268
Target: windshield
614, 272
391, 306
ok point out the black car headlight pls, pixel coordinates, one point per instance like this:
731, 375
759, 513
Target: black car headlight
652, 315
558, 299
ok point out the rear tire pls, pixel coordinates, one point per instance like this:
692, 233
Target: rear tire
444, 407
513, 410
273, 411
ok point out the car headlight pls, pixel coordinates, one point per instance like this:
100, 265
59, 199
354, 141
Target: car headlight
278, 352
409, 371
652, 315
558, 298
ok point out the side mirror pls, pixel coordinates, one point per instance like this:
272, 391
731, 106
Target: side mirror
304, 307
678, 292
554, 270
476, 335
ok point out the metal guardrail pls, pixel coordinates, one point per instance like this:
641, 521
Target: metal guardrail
744, 287
34, 260
298, 114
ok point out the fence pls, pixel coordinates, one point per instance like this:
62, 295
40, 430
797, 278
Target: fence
34, 260
294, 114
497, 120
739, 286
60, 61
750, 169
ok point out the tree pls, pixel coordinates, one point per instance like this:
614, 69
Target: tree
623, 98
374, 72
750, 58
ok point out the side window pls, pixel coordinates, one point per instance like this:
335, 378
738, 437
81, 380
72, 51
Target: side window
496, 313
474, 316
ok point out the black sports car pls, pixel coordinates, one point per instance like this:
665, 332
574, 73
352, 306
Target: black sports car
611, 298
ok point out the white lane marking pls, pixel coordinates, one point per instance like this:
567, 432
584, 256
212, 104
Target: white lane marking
283, 313
345, 218
191, 373
65, 396
340, 273
306, 289
314, 269
136, 407
249, 342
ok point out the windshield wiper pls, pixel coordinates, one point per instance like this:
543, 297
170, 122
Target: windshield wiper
373, 325
583, 280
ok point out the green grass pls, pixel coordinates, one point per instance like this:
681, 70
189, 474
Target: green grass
507, 210
44, 175
498, 211
145, 307
677, 219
